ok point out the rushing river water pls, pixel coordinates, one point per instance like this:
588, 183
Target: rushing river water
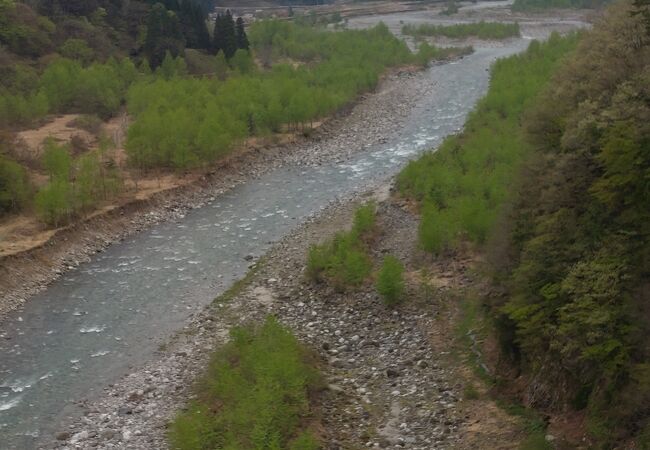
87, 329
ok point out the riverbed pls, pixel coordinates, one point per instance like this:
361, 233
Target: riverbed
107, 316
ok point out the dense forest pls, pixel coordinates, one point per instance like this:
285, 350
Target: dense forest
552, 178
575, 274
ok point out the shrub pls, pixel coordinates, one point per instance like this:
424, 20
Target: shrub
390, 281
437, 230
15, 190
88, 122
54, 203
344, 261
77, 49
365, 219
254, 395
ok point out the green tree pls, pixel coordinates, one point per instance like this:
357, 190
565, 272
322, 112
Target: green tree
217, 34
56, 160
242, 61
229, 35
15, 189
241, 38
54, 202
163, 35
390, 280
88, 180
77, 49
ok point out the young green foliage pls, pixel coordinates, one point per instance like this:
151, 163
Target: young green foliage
577, 236
344, 261
463, 184
254, 395
390, 281
15, 189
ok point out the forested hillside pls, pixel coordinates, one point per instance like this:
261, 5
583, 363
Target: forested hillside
554, 182
574, 316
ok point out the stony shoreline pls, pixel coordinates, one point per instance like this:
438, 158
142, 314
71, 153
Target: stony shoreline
392, 378
381, 369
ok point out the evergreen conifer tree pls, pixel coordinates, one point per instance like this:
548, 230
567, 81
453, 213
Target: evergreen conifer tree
217, 35
229, 36
242, 39
163, 35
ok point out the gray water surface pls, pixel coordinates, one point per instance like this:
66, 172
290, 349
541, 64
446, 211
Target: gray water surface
87, 329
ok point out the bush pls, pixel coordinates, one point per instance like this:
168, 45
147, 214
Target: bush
15, 189
255, 395
54, 203
365, 220
75, 185
390, 281
344, 261
88, 122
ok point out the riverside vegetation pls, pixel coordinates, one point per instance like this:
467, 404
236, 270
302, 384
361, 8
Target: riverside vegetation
192, 97
345, 261
255, 394
532, 5
481, 30
550, 179
461, 186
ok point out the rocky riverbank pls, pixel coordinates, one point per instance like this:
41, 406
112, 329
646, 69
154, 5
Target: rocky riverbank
372, 119
392, 382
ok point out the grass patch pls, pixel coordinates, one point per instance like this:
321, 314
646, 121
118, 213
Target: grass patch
239, 285
470, 392
532, 423
481, 30
473, 322
344, 261
254, 395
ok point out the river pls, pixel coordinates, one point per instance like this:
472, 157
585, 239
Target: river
110, 314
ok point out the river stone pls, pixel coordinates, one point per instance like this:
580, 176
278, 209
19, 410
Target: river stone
124, 410
107, 435
392, 373
62, 436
